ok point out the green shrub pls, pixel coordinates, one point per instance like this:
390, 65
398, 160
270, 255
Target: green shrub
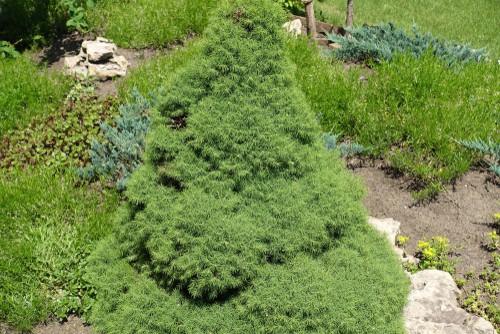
409, 111
8, 50
48, 228
60, 139
27, 90
141, 23
488, 149
120, 152
463, 21
382, 42
237, 195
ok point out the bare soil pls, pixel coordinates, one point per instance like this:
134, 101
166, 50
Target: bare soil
463, 213
73, 325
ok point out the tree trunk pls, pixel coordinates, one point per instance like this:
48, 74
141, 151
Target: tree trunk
310, 20
350, 13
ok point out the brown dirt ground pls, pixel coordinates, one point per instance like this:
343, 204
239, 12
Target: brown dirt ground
73, 325
463, 213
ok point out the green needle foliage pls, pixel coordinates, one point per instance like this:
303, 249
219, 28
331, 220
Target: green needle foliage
239, 221
382, 42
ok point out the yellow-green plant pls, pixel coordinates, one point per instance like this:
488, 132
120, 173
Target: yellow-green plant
435, 254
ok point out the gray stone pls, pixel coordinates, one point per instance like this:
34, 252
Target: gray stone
71, 62
80, 71
105, 71
97, 58
97, 51
433, 308
388, 226
432, 304
294, 27
121, 61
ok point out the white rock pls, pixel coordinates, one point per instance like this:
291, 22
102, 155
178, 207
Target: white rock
70, 62
335, 45
108, 70
79, 71
294, 27
388, 226
98, 51
433, 308
121, 61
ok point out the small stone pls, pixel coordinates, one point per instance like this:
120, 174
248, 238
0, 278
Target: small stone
79, 71
120, 60
70, 62
335, 46
389, 227
98, 52
294, 27
104, 71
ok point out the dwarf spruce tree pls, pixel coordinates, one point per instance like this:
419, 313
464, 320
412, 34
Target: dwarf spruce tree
239, 221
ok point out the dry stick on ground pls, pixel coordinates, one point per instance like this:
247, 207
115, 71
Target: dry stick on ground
310, 20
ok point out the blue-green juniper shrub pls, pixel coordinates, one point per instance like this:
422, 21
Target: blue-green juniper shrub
120, 152
239, 221
368, 43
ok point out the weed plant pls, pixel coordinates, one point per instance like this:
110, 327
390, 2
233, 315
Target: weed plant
409, 111
48, 228
482, 297
237, 195
463, 21
27, 90
142, 23
60, 139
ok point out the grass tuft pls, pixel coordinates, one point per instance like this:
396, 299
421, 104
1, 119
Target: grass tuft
142, 23
27, 90
48, 228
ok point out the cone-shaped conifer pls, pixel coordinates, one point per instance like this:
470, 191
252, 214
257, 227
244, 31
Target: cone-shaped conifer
234, 222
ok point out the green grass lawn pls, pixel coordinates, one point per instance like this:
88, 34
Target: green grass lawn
27, 90
409, 111
464, 21
48, 227
141, 23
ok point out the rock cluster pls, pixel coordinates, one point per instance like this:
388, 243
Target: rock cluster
432, 304
98, 59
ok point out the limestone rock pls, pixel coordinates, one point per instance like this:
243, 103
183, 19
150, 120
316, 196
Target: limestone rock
98, 51
335, 45
120, 60
388, 226
294, 27
97, 58
71, 62
108, 70
433, 308
79, 71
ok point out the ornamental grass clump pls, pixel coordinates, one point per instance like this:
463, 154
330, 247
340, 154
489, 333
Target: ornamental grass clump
239, 221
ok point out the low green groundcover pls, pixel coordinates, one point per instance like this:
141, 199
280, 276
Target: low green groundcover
239, 221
